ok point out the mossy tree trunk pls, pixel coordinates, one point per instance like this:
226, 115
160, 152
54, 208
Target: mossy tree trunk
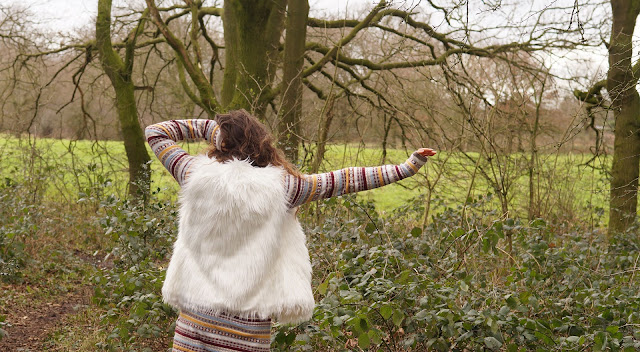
294, 49
119, 72
252, 30
622, 78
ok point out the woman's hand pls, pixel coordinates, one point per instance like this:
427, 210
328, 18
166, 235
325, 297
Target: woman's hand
426, 152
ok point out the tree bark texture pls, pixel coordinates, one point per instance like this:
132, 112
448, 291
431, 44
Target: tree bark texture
625, 104
294, 49
252, 37
120, 72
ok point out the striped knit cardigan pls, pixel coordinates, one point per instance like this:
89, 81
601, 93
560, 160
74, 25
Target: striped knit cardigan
162, 138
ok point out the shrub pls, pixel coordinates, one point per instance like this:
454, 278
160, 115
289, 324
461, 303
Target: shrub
397, 284
387, 285
19, 218
141, 236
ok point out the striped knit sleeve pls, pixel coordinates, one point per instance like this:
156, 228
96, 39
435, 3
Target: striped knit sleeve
308, 188
162, 138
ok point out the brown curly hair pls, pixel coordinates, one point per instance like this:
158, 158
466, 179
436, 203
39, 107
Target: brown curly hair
244, 137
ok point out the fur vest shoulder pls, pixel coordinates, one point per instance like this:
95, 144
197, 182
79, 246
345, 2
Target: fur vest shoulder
240, 249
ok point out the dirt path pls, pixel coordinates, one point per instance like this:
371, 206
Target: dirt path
33, 321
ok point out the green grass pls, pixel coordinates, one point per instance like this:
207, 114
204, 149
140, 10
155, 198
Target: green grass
86, 169
566, 187
76, 169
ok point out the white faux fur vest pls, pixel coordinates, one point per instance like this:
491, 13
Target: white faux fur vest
240, 249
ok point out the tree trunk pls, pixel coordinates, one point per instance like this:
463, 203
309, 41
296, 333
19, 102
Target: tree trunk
252, 32
294, 49
323, 134
534, 174
625, 104
230, 54
534, 207
134, 143
385, 140
119, 72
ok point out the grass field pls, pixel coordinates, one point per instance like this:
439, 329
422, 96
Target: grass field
85, 169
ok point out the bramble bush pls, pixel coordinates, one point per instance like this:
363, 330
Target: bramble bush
14, 226
386, 283
383, 284
21, 213
27, 205
129, 291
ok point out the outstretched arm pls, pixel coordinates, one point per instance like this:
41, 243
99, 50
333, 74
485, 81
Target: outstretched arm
162, 138
307, 188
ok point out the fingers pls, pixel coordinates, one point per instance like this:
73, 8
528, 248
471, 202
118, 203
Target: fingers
426, 152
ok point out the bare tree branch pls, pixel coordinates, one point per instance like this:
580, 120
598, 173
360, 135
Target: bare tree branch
207, 95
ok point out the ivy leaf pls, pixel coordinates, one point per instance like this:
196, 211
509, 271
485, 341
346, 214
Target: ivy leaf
398, 317
457, 233
322, 288
512, 348
386, 311
363, 341
599, 341
463, 286
370, 228
337, 321
421, 315
511, 302
374, 337
492, 343
364, 325
290, 338
573, 339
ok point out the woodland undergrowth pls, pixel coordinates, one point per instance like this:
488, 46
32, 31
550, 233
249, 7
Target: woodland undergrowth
464, 279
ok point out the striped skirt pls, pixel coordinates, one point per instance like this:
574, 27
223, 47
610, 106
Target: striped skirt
206, 332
